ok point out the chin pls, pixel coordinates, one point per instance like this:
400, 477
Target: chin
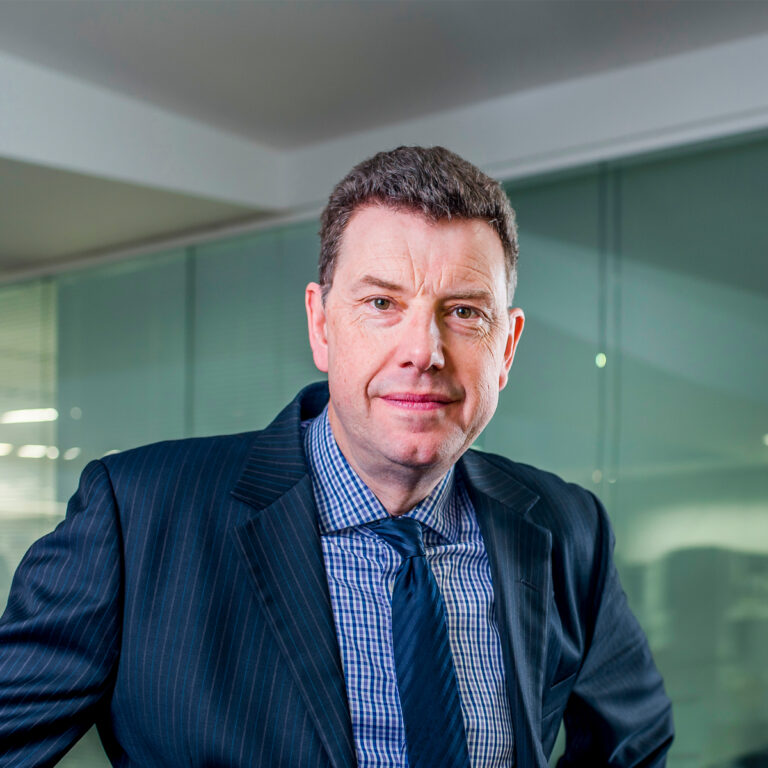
419, 455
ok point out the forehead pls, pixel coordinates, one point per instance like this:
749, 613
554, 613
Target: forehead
383, 241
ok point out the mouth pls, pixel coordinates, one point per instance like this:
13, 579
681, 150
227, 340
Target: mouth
412, 401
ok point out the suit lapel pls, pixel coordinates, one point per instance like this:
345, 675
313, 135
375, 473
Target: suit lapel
282, 551
519, 554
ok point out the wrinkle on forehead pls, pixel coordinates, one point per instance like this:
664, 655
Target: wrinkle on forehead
420, 256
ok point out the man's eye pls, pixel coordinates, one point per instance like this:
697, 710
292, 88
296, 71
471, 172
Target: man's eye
464, 313
379, 303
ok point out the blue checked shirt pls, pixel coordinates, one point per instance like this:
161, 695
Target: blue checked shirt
361, 571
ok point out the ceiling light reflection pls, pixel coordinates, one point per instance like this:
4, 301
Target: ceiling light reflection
29, 416
32, 451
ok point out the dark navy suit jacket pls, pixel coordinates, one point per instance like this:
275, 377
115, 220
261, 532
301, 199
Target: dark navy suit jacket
183, 606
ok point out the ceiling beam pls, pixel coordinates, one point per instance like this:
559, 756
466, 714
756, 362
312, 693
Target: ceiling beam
57, 121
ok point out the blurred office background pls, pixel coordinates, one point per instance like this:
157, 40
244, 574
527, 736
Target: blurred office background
162, 167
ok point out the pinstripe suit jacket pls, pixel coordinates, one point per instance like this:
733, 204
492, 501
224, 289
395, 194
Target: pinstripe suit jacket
183, 606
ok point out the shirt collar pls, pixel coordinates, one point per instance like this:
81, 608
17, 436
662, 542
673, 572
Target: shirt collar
345, 501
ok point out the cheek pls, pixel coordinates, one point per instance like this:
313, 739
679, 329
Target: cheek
354, 358
482, 363
484, 383
487, 391
360, 348
349, 336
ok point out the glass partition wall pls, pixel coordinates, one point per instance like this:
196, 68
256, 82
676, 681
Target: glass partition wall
642, 374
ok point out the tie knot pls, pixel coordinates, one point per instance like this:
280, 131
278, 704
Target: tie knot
403, 534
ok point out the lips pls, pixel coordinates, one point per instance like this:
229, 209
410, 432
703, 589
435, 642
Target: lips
418, 401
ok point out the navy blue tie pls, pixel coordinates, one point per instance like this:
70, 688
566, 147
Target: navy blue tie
426, 677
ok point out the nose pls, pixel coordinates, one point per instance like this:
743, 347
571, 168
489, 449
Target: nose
421, 343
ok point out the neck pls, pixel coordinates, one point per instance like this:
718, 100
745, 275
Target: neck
399, 492
399, 487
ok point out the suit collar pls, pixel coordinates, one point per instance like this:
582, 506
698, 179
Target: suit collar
276, 462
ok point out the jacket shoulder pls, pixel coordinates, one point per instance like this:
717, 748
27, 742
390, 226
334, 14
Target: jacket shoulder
189, 462
555, 494
573, 515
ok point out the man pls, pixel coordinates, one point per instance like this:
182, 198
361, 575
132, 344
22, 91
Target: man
352, 585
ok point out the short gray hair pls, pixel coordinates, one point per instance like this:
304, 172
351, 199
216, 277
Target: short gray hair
431, 181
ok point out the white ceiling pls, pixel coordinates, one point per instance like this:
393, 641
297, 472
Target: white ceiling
287, 76
289, 73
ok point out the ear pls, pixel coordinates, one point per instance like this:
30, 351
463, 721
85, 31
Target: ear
516, 323
318, 337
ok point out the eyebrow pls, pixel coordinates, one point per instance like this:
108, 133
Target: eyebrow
377, 282
485, 296
386, 285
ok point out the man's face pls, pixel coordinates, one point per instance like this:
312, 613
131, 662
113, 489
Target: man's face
415, 336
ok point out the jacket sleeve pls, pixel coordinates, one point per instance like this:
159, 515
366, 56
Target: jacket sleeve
618, 714
60, 633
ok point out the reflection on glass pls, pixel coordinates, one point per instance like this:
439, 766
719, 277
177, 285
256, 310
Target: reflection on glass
29, 415
642, 374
